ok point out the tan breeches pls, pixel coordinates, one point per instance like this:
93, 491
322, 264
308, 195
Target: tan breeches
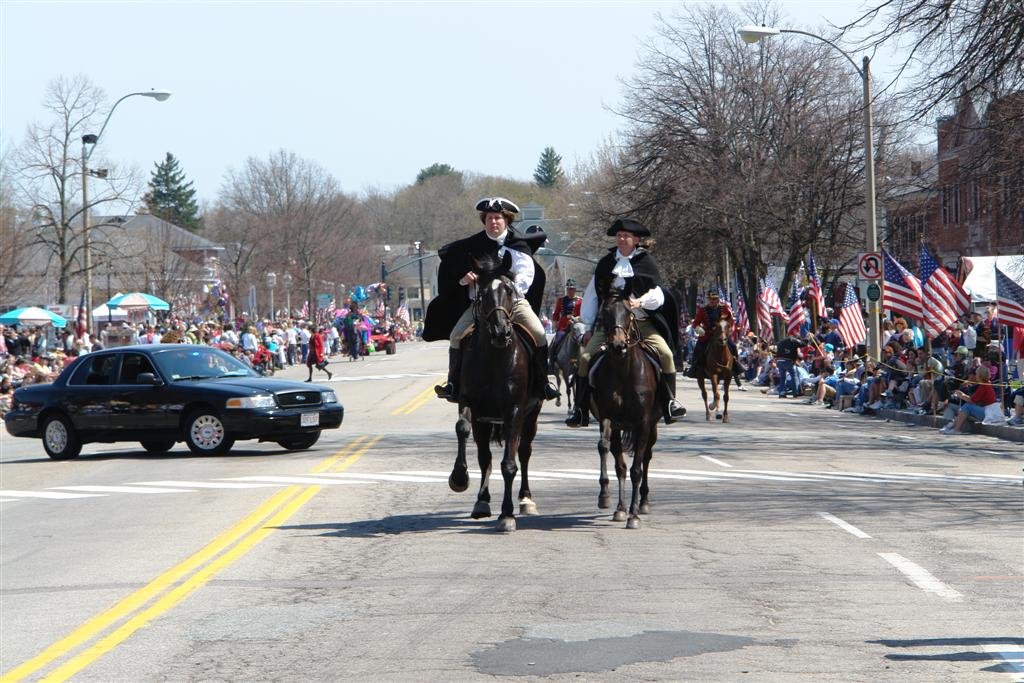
522, 315
651, 336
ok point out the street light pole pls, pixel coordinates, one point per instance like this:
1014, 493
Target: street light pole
419, 252
89, 139
752, 34
271, 283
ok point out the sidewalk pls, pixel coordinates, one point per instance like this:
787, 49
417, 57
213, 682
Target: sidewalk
1004, 432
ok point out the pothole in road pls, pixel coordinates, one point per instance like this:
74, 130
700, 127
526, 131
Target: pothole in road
544, 656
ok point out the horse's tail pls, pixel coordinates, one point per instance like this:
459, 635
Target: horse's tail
496, 432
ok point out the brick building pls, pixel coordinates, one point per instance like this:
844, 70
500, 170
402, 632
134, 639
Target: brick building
970, 202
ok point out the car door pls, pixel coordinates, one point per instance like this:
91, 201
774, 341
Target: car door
86, 398
134, 406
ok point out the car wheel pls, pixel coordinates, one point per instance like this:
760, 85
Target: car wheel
60, 439
300, 442
390, 348
205, 434
158, 445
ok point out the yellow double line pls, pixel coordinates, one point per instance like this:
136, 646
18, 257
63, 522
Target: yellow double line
417, 401
170, 588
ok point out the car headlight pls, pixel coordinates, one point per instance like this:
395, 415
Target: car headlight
251, 402
329, 397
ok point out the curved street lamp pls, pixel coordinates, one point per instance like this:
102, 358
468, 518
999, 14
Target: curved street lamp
90, 139
751, 35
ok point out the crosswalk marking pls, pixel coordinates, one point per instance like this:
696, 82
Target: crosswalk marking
319, 481
338, 377
119, 489
553, 475
47, 494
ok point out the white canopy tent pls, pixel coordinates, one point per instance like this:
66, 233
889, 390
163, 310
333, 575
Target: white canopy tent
981, 274
102, 314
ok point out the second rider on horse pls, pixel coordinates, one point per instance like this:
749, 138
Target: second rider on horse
566, 312
631, 270
450, 315
707, 317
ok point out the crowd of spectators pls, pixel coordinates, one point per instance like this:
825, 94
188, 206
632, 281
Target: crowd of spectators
962, 375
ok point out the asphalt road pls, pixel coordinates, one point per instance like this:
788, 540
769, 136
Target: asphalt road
794, 543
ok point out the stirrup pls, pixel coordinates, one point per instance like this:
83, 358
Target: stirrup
447, 392
578, 419
550, 393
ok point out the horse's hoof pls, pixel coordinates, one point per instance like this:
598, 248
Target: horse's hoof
481, 510
604, 501
725, 418
558, 401
707, 417
458, 480
645, 508
506, 524
619, 516
527, 507
718, 416
633, 523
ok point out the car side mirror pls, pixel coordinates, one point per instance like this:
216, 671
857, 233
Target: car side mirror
149, 378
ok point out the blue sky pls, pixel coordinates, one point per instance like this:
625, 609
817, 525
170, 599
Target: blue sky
372, 91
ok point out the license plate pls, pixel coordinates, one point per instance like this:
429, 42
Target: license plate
309, 419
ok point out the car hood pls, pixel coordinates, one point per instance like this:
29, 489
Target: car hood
264, 384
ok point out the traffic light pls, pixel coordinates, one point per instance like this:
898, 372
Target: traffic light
401, 294
383, 271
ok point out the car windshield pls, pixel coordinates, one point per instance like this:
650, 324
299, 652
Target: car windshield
186, 362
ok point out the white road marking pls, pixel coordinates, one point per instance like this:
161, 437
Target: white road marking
792, 414
843, 525
48, 494
924, 579
393, 476
716, 461
338, 377
119, 489
297, 480
495, 474
726, 475
913, 477
1014, 658
204, 484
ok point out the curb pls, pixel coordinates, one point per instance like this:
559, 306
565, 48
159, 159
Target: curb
1004, 432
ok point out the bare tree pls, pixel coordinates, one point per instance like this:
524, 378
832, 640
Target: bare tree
48, 172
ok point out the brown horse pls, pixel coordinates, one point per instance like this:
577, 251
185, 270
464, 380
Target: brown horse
717, 367
625, 402
496, 399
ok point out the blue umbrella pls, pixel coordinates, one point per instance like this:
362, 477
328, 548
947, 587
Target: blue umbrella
32, 315
139, 300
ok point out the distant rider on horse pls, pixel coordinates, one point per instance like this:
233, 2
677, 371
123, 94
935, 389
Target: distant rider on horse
632, 271
450, 315
567, 311
707, 316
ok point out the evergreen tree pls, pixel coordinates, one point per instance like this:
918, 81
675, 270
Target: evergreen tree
433, 170
170, 197
549, 169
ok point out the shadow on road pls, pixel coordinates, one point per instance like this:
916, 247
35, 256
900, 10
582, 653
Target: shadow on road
450, 521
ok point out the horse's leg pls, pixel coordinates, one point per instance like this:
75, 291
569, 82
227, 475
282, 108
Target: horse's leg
482, 436
725, 400
704, 395
645, 503
636, 469
604, 498
570, 389
513, 429
458, 480
714, 393
558, 382
620, 473
526, 504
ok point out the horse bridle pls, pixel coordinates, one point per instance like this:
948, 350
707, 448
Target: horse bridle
477, 305
632, 329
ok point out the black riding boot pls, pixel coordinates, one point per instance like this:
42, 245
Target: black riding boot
450, 390
540, 369
581, 413
673, 408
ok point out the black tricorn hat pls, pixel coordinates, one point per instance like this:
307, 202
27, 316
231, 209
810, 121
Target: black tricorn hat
629, 225
497, 205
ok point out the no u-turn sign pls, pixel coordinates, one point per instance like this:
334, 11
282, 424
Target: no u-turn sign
869, 265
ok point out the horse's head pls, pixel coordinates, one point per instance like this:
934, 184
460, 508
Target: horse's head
617, 322
721, 330
495, 299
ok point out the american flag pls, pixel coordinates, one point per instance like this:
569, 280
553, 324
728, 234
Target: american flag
742, 319
796, 313
902, 293
851, 320
82, 322
814, 286
403, 313
1010, 297
768, 305
304, 314
944, 299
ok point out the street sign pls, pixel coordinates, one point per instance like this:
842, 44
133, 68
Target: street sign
869, 265
874, 292
323, 300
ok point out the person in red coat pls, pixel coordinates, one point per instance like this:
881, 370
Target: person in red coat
567, 311
316, 356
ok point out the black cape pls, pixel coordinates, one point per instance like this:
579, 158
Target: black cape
645, 277
457, 257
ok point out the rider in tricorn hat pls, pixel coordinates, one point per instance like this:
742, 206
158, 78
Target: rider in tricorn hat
631, 269
450, 316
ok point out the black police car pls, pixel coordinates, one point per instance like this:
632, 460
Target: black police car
160, 394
